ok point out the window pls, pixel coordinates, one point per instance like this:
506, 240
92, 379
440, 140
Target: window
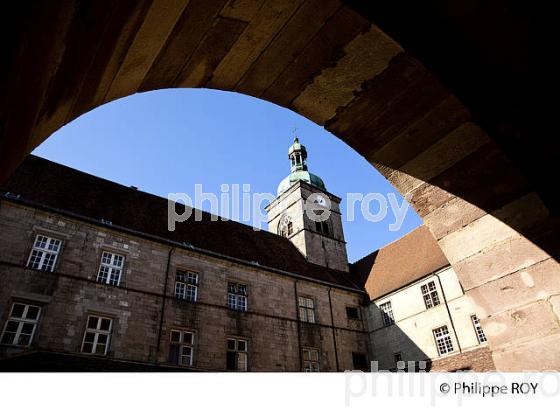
478, 329
181, 349
443, 340
387, 313
285, 226
429, 292
236, 354
359, 361
237, 296
110, 269
21, 324
306, 309
97, 335
186, 285
44, 253
310, 360
352, 312
322, 227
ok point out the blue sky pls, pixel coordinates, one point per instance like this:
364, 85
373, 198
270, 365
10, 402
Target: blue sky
169, 140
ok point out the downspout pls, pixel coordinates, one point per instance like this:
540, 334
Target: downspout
333, 332
365, 325
298, 325
164, 298
449, 312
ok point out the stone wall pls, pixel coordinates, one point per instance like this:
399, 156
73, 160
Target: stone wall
69, 294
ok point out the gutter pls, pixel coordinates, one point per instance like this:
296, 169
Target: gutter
449, 312
333, 333
164, 299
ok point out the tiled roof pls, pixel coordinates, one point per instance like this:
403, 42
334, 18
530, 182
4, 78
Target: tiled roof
39, 181
399, 263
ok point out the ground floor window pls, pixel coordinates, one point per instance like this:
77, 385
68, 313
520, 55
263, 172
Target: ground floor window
443, 340
181, 350
359, 361
236, 354
21, 325
310, 360
97, 335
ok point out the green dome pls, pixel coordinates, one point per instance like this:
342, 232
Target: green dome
296, 176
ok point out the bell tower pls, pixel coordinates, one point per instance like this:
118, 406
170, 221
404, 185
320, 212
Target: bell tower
308, 215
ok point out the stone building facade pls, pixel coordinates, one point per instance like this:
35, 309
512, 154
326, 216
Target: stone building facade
92, 279
419, 311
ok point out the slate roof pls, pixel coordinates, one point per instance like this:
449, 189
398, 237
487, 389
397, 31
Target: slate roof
400, 263
40, 182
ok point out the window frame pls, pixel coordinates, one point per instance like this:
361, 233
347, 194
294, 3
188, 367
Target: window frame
187, 285
478, 330
35, 248
429, 295
387, 316
181, 344
111, 266
21, 321
96, 332
446, 346
305, 308
238, 353
308, 362
234, 298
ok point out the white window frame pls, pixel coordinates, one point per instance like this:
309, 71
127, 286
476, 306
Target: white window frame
444, 342
311, 359
238, 296
44, 253
241, 353
21, 322
480, 335
387, 315
97, 331
110, 262
184, 344
430, 294
186, 285
306, 309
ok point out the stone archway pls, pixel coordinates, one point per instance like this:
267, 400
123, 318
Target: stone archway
325, 59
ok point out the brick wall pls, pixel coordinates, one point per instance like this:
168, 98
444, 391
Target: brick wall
478, 360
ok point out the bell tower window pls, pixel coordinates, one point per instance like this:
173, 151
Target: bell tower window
322, 227
285, 226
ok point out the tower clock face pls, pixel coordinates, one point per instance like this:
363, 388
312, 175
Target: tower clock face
320, 199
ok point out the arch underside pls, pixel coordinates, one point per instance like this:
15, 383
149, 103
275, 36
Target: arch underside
329, 62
